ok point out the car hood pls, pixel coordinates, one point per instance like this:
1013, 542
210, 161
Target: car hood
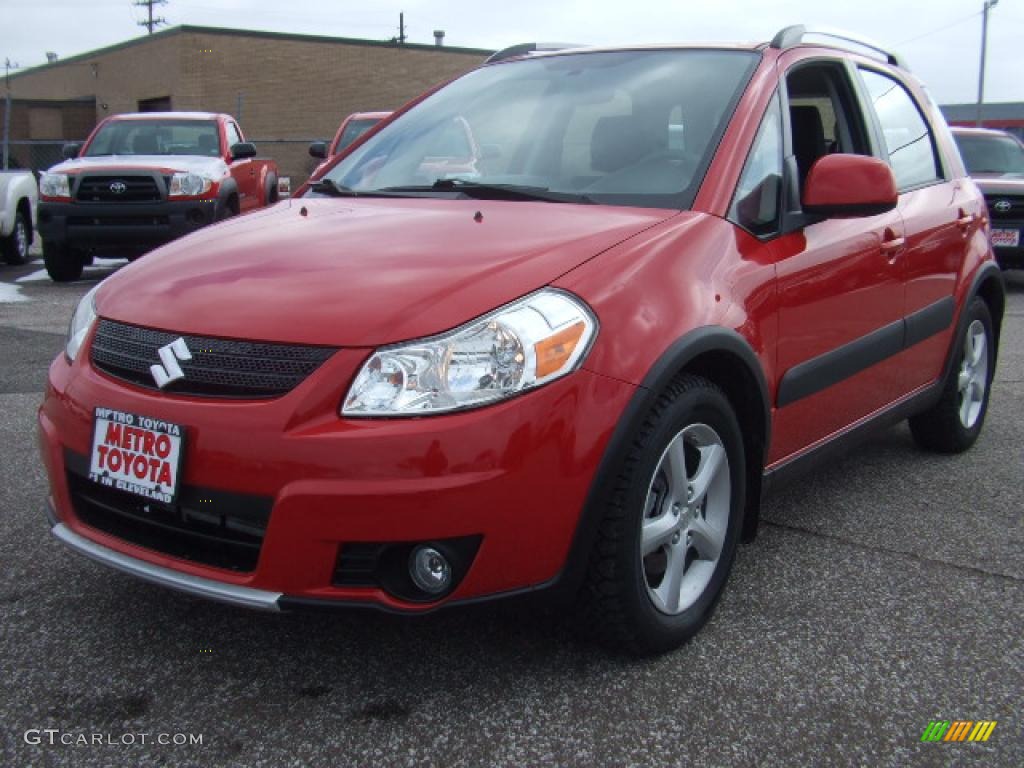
361, 272
210, 166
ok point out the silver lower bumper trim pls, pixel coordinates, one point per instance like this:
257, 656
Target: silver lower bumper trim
165, 577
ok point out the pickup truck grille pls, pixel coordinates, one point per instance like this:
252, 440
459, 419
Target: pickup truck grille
109, 189
997, 202
218, 368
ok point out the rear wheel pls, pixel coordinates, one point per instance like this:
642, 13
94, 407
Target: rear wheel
670, 530
954, 423
270, 193
63, 263
15, 245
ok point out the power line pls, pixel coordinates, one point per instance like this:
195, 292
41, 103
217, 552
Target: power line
151, 22
940, 29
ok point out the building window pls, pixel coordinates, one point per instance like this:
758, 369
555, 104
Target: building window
159, 104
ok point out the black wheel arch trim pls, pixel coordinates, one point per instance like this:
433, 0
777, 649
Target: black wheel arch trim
672, 361
228, 188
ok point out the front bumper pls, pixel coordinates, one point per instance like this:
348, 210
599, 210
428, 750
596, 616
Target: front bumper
515, 475
125, 227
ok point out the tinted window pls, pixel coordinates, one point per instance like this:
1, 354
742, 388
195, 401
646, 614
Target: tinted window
154, 137
354, 129
987, 153
625, 127
908, 140
756, 203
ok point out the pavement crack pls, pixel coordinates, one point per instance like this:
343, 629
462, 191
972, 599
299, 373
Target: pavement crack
910, 555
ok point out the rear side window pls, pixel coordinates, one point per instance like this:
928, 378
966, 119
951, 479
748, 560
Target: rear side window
908, 140
755, 207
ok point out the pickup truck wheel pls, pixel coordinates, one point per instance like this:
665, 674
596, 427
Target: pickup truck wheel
270, 196
669, 534
954, 423
63, 263
15, 245
229, 209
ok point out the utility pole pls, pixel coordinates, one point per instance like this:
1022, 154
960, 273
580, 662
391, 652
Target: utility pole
151, 22
6, 149
401, 30
989, 4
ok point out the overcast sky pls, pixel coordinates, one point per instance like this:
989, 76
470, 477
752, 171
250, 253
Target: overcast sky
940, 38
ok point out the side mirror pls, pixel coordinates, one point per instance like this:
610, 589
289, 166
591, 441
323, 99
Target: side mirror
71, 150
318, 149
242, 150
847, 186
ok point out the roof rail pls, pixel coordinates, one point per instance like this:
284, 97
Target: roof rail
524, 49
794, 35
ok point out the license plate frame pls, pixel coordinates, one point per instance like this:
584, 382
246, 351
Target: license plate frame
1005, 238
125, 434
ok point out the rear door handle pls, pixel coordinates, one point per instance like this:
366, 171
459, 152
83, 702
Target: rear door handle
965, 220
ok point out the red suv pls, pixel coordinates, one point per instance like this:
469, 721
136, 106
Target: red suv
677, 276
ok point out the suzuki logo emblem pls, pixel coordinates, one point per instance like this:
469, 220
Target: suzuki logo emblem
118, 187
1003, 206
170, 371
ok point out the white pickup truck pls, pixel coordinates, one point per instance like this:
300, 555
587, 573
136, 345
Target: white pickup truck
19, 197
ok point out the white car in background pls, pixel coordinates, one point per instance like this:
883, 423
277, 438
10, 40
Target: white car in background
19, 198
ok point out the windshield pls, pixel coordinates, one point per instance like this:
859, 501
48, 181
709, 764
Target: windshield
353, 130
991, 154
625, 128
156, 137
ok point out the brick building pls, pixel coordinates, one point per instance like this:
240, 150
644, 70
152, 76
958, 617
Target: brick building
286, 90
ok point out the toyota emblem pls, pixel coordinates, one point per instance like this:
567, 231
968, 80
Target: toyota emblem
1003, 206
118, 187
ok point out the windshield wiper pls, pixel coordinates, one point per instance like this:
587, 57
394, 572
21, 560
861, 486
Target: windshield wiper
484, 191
326, 186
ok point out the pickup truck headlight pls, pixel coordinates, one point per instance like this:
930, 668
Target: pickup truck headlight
189, 185
81, 322
54, 185
516, 348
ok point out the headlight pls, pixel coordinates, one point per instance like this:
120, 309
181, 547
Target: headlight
81, 322
189, 185
516, 348
54, 185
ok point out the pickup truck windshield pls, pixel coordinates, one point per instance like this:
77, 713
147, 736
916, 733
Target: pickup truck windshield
156, 137
991, 154
623, 128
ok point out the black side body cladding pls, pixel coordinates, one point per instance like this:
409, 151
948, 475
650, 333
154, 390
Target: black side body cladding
824, 371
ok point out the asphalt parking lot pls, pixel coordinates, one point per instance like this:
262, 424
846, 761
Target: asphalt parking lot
884, 592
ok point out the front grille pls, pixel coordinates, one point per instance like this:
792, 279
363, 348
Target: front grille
206, 526
218, 368
118, 221
101, 189
1015, 211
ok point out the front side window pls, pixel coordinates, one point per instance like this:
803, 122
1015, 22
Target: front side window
908, 140
755, 206
232, 134
627, 127
154, 137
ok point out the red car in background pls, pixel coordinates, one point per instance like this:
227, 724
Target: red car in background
351, 128
678, 277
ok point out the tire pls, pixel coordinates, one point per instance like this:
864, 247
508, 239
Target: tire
689, 523
954, 423
15, 246
270, 196
63, 264
229, 209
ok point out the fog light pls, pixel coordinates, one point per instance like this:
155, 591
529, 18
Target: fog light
430, 570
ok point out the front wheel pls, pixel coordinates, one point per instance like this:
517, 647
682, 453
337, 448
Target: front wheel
63, 263
954, 423
669, 534
15, 245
